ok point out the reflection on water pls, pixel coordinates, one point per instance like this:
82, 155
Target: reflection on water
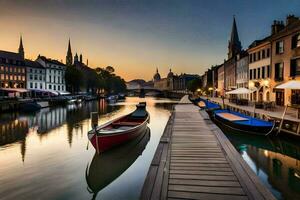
109, 165
45, 155
275, 160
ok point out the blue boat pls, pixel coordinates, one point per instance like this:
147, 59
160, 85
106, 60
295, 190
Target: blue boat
207, 105
242, 123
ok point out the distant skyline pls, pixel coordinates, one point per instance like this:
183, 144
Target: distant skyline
138, 36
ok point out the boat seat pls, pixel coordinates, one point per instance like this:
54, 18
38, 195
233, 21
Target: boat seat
126, 123
232, 117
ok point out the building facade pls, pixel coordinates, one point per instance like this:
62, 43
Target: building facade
242, 66
35, 75
54, 73
259, 70
220, 87
12, 68
285, 47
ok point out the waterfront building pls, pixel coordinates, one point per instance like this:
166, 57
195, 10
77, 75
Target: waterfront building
285, 43
220, 87
259, 70
173, 82
234, 48
54, 73
242, 66
35, 75
12, 69
215, 82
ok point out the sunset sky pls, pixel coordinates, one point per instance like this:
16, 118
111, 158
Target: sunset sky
136, 36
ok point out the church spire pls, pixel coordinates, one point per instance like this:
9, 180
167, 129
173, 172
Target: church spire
21, 49
69, 57
234, 46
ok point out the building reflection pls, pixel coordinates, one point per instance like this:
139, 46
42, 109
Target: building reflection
14, 131
15, 127
277, 158
283, 171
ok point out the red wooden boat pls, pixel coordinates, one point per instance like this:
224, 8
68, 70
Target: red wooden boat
120, 130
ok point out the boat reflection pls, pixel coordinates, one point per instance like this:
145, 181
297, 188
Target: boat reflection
107, 166
275, 160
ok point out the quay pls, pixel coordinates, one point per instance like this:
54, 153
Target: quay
195, 160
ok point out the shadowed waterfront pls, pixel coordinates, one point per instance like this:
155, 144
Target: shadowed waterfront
45, 155
274, 160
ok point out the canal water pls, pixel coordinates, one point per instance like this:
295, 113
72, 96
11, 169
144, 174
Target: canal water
47, 155
276, 161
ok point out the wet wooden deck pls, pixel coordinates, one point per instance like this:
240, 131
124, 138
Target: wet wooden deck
195, 160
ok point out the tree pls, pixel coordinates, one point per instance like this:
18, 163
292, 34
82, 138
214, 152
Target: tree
194, 84
73, 79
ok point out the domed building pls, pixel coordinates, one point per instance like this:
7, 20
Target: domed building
156, 76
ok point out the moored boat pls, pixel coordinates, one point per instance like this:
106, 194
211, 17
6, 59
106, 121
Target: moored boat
120, 130
243, 123
207, 105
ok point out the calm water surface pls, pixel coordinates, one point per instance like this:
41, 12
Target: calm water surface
47, 156
276, 161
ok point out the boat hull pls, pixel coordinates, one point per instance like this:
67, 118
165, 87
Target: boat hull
105, 142
242, 128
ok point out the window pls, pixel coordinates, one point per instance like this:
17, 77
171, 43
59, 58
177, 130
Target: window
258, 55
62, 88
35, 77
279, 72
263, 72
263, 54
50, 87
30, 70
279, 47
295, 67
41, 78
58, 87
35, 85
50, 78
250, 72
31, 85
30, 77
254, 74
258, 73
268, 71
250, 57
54, 87
41, 86
254, 57
296, 41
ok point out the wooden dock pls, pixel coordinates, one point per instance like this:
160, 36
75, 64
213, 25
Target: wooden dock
195, 160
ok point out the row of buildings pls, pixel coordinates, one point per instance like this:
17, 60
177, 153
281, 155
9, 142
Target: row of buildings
265, 64
173, 82
18, 74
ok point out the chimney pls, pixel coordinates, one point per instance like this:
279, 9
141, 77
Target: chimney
277, 26
291, 19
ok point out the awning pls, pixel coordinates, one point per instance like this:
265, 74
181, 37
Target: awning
21, 90
289, 85
240, 91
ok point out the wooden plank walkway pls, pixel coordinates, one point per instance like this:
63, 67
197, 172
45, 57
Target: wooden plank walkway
195, 160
